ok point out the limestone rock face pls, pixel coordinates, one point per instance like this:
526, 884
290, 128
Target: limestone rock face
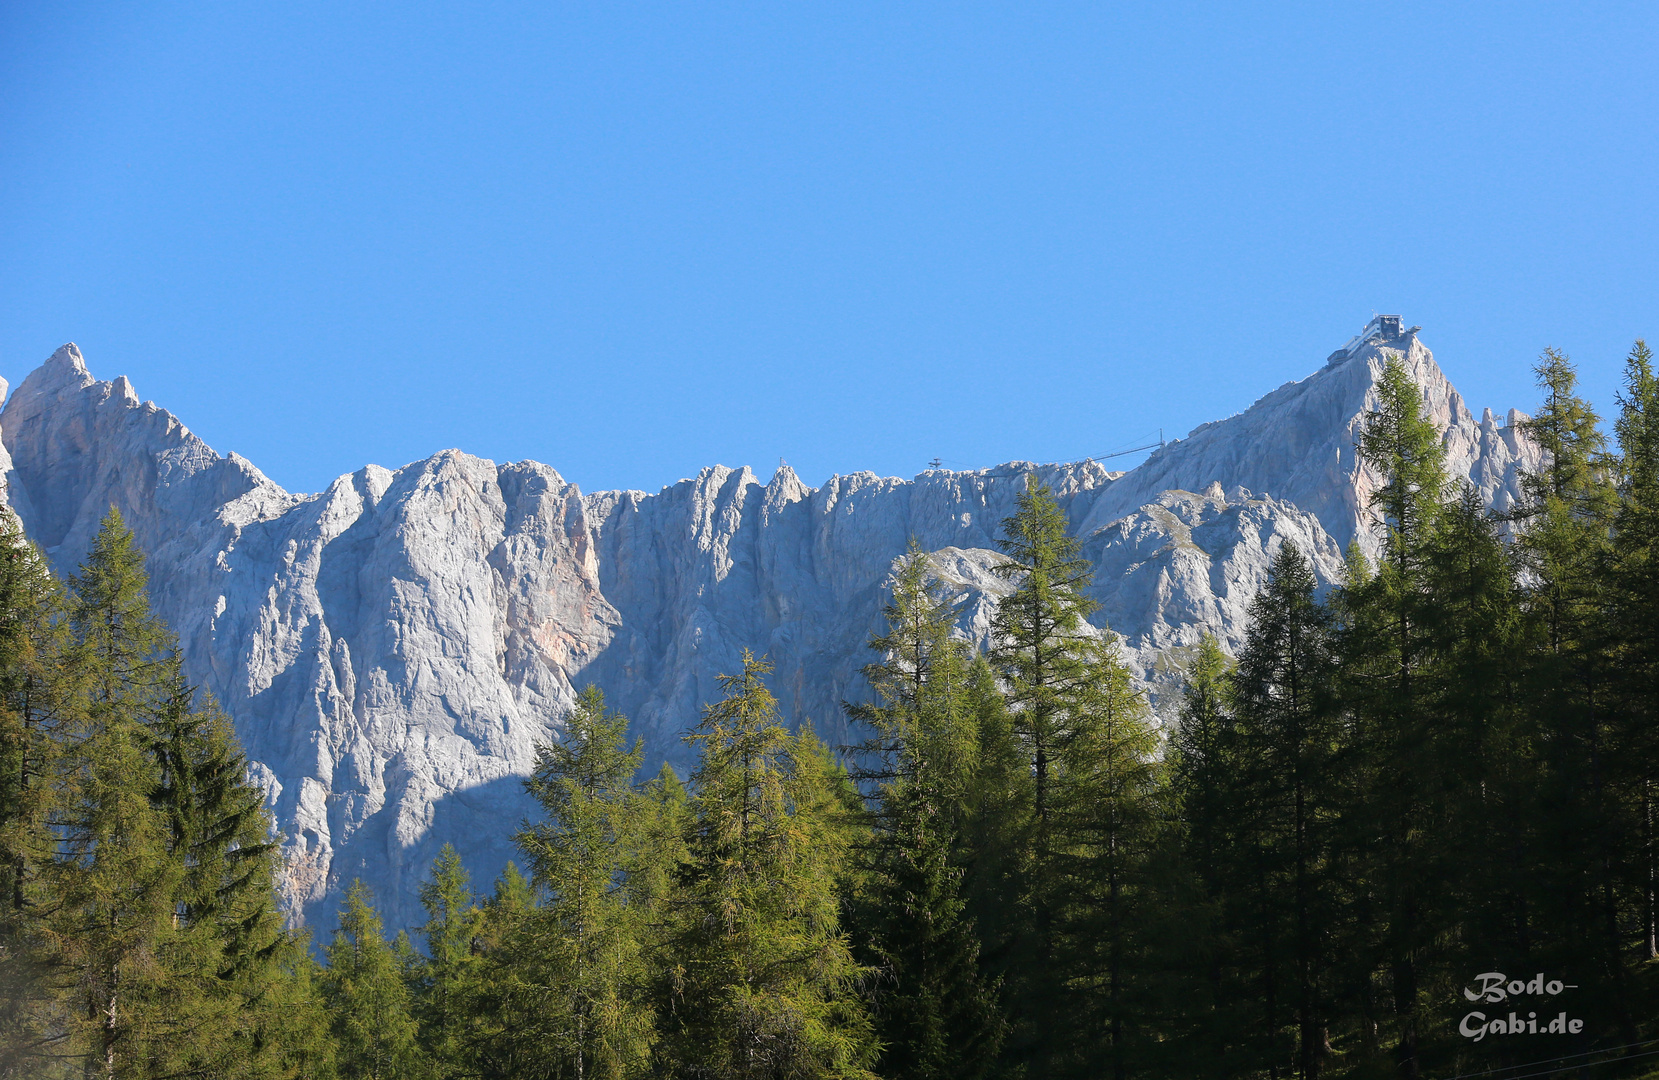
393, 648
1297, 443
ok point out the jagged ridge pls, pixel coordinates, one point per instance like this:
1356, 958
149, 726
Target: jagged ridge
392, 648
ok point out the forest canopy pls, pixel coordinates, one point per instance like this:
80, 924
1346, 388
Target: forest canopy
1407, 830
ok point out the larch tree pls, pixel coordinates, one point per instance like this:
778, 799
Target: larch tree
368, 999
1387, 646
116, 879
1566, 525
448, 975
936, 1014
581, 950
32, 730
758, 978
1285, 748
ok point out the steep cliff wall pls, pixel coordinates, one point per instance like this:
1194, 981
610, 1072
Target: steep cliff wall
393, 648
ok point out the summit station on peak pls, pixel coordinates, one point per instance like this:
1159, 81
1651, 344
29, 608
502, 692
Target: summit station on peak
1384, 330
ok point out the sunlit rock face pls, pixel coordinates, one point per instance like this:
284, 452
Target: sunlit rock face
393, 649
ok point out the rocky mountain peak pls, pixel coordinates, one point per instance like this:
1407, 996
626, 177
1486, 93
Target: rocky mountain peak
393, 648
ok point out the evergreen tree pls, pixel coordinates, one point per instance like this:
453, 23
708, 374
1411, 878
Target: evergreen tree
1480, 743
1040, 649
501, 993
1209, 803
1105, 819
582, 946
1089, 746
139, 935
31, 734
1041, 635
115, 879
1626, 765
1284, 747
448, 976
760, 982
368, 998
998, 838
1564, 547
295, 1039
1202, 755
936, 1017
1386, 649
514, 895
224, 953
660, 847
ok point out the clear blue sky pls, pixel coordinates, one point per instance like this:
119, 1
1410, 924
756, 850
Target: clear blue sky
632, 240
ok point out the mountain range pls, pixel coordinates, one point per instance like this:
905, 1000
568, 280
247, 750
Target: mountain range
392, 649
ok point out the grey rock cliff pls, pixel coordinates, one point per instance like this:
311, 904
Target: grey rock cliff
393, 648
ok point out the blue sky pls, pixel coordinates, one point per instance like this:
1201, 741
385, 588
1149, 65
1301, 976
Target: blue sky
633, 240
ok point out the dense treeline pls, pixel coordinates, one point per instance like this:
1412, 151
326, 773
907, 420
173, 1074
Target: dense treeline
1438, 768
139, 933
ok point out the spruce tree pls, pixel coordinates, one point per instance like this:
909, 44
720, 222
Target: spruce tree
115, 879
1626, 767
1386, 649
368, 998
1106, 827
1565, 527
997, 835
141, 916
1202, 759
936, 1015
1089, 745
759, 981
448, 976
31, 735
1285, 747
1480, 742
581, 948
1214, 1016
1039, 645
225, 954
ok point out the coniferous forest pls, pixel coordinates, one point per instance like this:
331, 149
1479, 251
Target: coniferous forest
1408, 831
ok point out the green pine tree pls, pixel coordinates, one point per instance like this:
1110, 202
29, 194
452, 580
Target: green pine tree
1203, 759
368, 998
513, 895
116, 881
296, 1032
31, 735
1089, 746
224, 956
1565, 527
759, 981
448, 976
1213, 1017
1106, 827
1042, 639
1481, 745
500, 992
998, 840
582, 946
1284, 748
1630, 777
1386, 649
937, 1016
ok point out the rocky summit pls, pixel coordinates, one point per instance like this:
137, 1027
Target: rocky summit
393, 649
